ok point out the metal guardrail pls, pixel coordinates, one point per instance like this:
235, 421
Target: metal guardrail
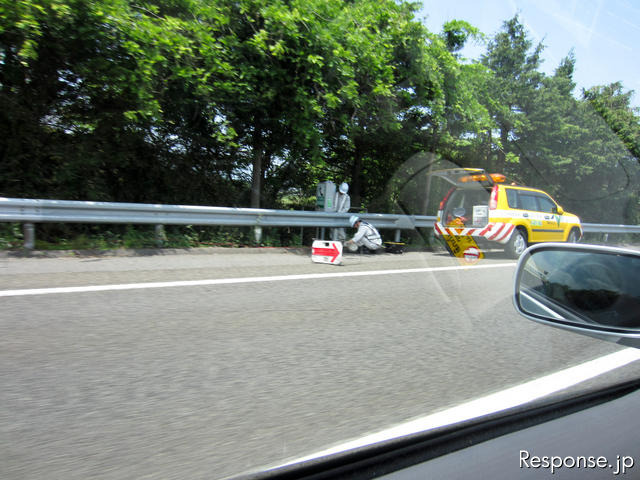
609, 228
31, 211
65, 211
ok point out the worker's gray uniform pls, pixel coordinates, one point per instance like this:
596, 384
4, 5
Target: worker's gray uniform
367, 236
342, 203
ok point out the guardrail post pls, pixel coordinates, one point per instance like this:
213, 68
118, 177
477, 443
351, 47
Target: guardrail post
160, 235
397, 240
257, 234
29, 232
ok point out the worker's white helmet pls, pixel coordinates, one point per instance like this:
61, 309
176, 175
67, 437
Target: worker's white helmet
353, 219
344, 187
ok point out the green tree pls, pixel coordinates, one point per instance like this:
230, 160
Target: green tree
565, 148
613, 104
514, 62
96, 97
226, 102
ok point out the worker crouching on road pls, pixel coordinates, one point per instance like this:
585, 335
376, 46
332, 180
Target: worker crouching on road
366, 237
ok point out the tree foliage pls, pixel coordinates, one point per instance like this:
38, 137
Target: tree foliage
245, 102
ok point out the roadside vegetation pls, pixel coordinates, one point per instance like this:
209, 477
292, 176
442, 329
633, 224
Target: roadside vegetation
253, 102
98, 238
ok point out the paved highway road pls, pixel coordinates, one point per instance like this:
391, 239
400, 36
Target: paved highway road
171, 370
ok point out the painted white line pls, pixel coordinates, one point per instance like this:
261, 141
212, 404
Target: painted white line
229, 281
496, 402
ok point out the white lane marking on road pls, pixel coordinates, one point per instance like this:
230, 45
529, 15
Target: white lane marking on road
229, 281
496, 402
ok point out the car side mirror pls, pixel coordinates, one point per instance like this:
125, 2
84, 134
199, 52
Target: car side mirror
591, 290
559, 210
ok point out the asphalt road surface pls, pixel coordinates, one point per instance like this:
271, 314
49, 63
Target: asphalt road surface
207, 365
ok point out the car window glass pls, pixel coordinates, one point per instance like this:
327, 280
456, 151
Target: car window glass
512, 198
545, 204
528, 201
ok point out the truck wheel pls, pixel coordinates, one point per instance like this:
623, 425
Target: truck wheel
517, 243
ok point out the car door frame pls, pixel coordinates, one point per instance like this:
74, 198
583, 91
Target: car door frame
552, 222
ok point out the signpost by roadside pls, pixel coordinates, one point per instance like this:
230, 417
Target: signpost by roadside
323, 251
